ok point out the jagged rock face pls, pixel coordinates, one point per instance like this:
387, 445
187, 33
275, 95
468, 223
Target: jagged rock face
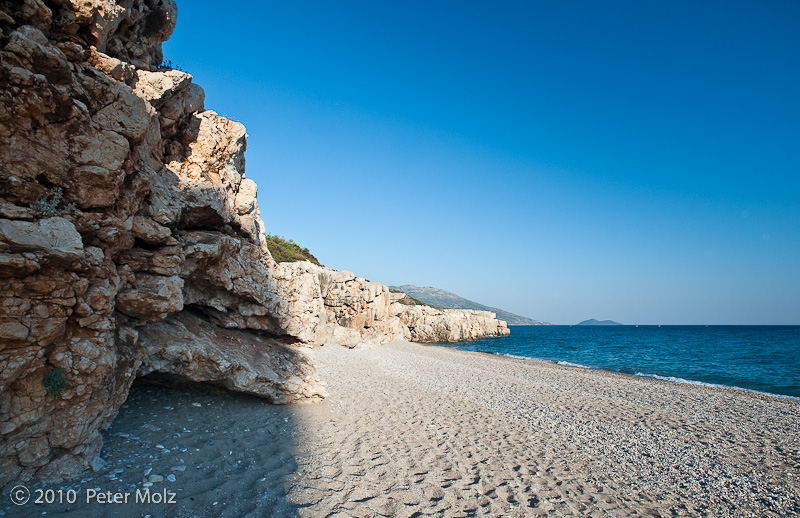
155, 255
351, 311
328, 306
131, 244
357, 305
427, 324
354, 302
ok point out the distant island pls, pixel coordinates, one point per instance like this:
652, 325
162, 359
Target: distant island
594, 322
447, 300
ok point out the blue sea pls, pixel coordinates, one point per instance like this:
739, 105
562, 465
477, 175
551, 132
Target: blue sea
758, 358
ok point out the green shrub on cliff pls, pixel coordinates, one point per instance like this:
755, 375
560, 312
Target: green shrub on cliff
287, 251
52, 205
408, 300
169, 65
54, 382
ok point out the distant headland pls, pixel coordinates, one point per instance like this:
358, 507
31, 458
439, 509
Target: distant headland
444, 299
594, 322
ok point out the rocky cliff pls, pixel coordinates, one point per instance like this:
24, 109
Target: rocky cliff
131, 242
357, 312
429, 324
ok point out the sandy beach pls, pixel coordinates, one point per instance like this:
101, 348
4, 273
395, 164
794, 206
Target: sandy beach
414, 430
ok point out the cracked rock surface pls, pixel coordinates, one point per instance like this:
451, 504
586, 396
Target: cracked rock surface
131, 242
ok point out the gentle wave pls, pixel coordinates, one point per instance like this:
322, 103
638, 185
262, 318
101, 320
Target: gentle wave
565, 364
760, 359
570, 364
680, 380
515, 356
673, 379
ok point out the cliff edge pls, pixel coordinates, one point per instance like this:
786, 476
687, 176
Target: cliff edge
131, 242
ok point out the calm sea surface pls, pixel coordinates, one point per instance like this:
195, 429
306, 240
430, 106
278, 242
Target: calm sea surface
760, 358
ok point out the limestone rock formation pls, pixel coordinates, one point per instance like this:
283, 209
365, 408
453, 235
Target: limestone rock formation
342, 308
130, 242
427, 324
336, 307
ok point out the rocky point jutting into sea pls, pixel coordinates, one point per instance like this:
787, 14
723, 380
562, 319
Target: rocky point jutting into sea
131, 242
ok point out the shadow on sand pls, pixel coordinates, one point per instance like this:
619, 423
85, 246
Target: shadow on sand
211, 454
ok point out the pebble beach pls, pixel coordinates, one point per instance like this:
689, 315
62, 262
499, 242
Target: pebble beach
414, 430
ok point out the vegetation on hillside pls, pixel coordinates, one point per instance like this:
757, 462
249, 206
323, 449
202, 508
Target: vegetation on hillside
408, 300
439, 298
287, 251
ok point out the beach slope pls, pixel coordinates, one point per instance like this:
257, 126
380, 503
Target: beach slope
411, 428
414, 430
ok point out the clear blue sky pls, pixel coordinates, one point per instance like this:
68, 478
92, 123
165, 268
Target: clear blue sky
637, 161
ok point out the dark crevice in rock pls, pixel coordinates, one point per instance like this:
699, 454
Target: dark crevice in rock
144, 245
201, 218
197, 311
155, 22
85, 34
183, 383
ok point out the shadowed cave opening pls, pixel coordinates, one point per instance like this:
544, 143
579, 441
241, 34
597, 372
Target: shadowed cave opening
219, 453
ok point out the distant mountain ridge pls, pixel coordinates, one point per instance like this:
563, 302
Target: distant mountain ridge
593, 322
445, 299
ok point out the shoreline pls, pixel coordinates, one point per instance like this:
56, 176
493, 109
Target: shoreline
411, 428
721, 356
639, 376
